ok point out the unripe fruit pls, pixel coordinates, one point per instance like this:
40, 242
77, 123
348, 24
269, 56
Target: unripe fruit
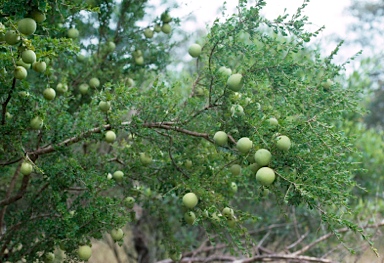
254, 167
188, 164
73, 33
11, 37
110, 46
148, 33
165, 17
235, 169
117, 234
36, 123
231, 222
94, 82
265, 176
157, 28
190, 217
28, 56
20, 72
225, 71
227, 212
175, 256
105, 106
166, 28
273, 122
27, 26
263, 157
118, 176
234, 82
145, 159
283, 143
26, 168
194, 50
20, 62
49, 257
84, 252
244, 145
49, 94
220, 138
62, 88
129, 202
110, 136
38, 16
39, 66
233, 187
139, 60
190, 200
83, 88
237, 110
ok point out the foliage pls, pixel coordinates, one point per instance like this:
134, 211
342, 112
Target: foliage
164, 120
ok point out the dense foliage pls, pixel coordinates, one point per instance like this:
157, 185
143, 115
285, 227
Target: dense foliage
113, 76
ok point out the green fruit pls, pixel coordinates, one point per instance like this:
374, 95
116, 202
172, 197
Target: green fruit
12, 37
265, 192
273, 122
327, 84
49, 257
188, 164
84, 252
110, 136
73, 33
157, 28
254, 167
234, 82
20, 62
225, 71
220, 138
83, 88
237, 110
117, 234
175, 256
61, 88
110, 46
263, 157
233, 187
36, 123
231, 221
81, 58
166, 28
105, 106
194, 50
235, 169
145, 159
244, 145
118, 176
49, 94
228, 212
27, 26
94, 82
148, 33
190, 217
283, 143
265, 176
190, 200
139, 61
39, 66
26, 168
165, 17
28, 56
38, 16
20, 72
216, 217
137, 53
129, 202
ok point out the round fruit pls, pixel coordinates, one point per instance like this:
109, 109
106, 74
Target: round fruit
62, 88
265, 192
165, 17
233, 187
175, 256
265, 176
137, 53
49, 94
225, 71
273, 122
83, 88
190, 217
20, 62
190, 200
235, 169
110, 136
145, 159
139, 60
94, 82
118, 176
166, 28
110, 46
84, 252
283, 143
220, 138
244, 145
11, 37
194, 50
227, 212
27, 26
254, 167
327, 84
38, 16
157, 28
49, 257
104, 106
36, 123
73, 33
129, 202
39, 66
263, 157
26, 168
148, 33
234, 82
117, 234
20, 72
188, 164
237, 110
28, 56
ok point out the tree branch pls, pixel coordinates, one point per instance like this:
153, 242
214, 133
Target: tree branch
4, 105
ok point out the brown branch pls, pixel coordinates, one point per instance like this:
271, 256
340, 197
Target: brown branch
20, 193
4, 105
